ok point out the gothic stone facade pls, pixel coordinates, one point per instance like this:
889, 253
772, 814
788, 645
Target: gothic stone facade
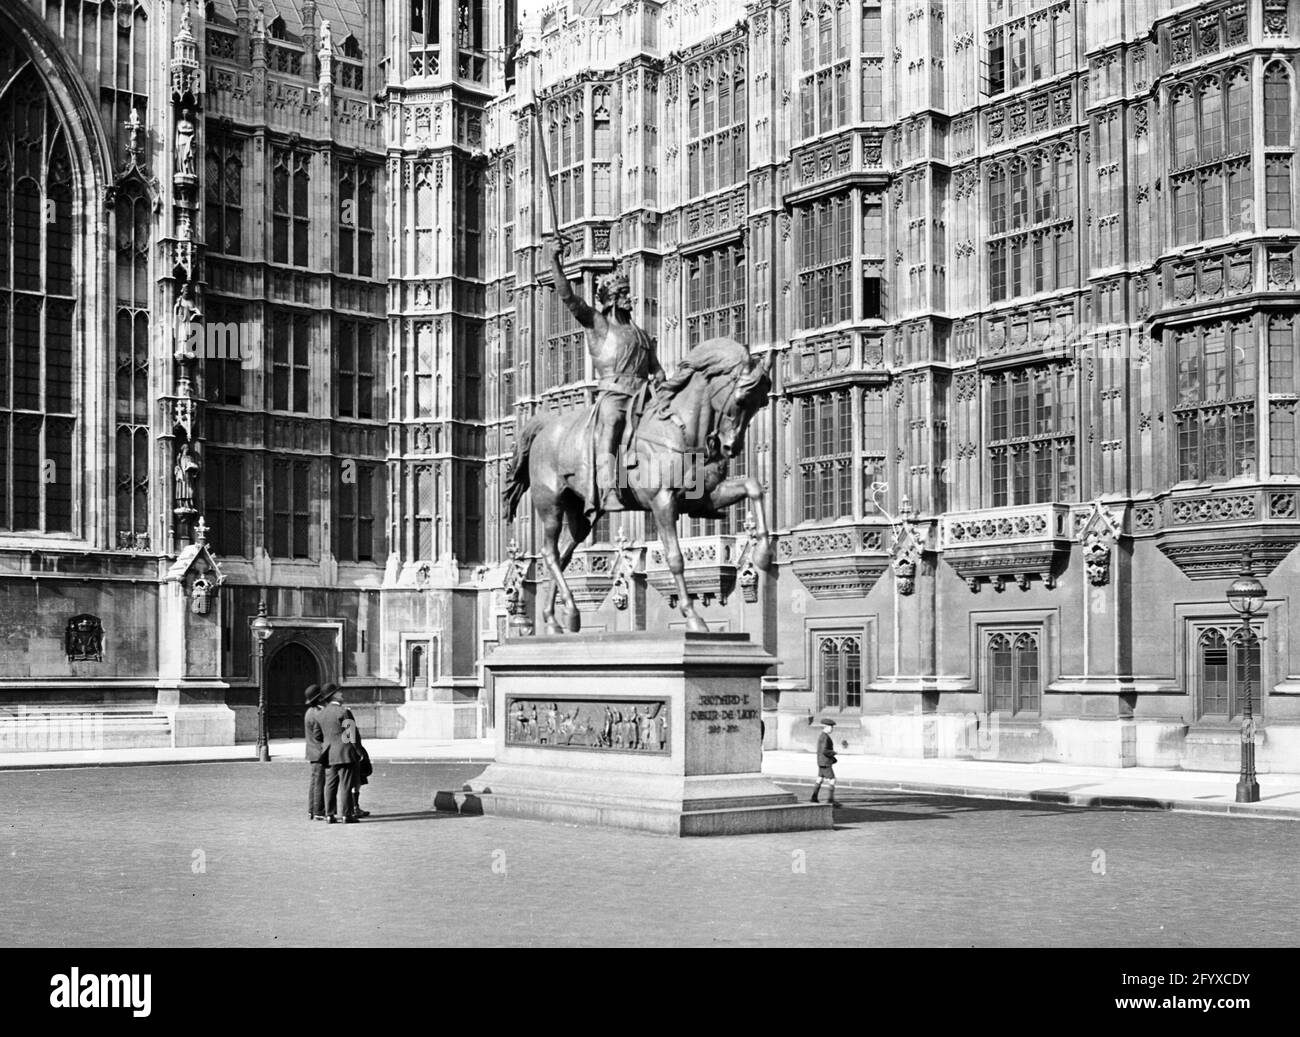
1025, 270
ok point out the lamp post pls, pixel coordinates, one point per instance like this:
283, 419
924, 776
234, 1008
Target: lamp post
1246, 596
261, 631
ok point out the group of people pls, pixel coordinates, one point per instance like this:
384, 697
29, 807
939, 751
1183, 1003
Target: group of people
617, 730
339, 762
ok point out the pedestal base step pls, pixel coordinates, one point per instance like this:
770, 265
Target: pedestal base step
767, 816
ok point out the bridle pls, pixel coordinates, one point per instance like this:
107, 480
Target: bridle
711, 439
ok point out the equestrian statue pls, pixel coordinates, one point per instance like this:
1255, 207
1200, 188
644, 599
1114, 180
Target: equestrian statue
649, 442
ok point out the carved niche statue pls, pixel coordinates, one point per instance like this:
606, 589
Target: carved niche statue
135, 133
185, 469
185, 311
185, 164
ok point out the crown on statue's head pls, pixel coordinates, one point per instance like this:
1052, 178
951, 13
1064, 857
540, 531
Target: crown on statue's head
609, 285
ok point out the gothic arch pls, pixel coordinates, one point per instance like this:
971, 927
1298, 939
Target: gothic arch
1278, 73
75, 115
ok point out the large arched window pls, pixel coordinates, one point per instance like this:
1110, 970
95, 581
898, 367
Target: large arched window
132, 354
37, 310
1212, 190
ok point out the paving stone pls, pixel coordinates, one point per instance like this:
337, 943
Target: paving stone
109, 856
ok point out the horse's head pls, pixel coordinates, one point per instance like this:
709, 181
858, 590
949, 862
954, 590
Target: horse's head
750, 395
716, 390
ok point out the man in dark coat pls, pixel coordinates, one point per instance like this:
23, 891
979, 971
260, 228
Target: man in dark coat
315, 755
826, 760
341, 756
362, 769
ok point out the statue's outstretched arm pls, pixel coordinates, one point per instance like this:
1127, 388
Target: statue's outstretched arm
577, 305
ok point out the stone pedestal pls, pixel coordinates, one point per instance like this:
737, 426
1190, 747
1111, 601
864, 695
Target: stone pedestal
652, 731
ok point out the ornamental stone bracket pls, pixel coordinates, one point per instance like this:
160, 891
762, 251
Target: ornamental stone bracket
911, 541
197, 571
1001, 545
1206, 534
839, 561
711, 564
518, 585
1097, 528
629, 573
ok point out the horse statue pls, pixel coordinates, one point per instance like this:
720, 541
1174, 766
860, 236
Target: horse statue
681, 449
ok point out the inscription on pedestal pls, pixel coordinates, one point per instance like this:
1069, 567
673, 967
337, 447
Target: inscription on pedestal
721, 714
631, 725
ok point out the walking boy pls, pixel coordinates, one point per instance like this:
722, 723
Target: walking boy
826, 761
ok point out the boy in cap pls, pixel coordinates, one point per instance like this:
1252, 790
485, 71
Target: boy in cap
825, 761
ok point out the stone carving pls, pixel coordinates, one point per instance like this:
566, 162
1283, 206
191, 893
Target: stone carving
201, 596
907, 555
516, 603
1275, 17
1098, 531
83, 639
1280, 270
642, 726
1213, 509
1282, 505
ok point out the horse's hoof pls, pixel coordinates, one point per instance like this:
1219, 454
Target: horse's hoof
763, 557
574, 621
554, 628
696, 625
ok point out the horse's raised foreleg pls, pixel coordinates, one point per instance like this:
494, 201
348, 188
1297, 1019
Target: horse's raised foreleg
664, 509
746, 487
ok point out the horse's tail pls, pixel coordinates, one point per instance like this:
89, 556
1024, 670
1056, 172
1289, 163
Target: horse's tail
517, 477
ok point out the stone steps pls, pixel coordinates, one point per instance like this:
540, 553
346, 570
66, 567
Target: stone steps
76, 727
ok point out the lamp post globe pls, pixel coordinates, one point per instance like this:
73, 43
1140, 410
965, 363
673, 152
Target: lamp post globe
261, 627
1246, 596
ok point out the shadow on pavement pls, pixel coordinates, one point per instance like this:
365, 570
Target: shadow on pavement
891, 807
414, 815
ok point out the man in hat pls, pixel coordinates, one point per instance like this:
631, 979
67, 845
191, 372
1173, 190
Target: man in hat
341, 756
826, 760
315, 755
623, 358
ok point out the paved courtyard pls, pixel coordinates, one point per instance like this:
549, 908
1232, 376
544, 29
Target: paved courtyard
222, 854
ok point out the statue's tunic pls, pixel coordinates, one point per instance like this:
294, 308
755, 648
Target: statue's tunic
622, 362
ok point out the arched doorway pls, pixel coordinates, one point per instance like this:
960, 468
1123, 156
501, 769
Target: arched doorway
288, 673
